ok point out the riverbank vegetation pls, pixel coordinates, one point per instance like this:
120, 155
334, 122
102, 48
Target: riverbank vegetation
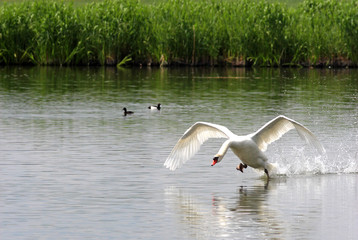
180, 32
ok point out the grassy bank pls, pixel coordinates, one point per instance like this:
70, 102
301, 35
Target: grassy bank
243, 33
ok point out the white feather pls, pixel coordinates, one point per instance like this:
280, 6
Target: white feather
189, 144
277, 127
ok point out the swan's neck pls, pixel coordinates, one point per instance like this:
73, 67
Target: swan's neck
224, 148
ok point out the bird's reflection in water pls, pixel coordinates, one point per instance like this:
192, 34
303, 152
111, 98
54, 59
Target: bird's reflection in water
192, 216
244, 214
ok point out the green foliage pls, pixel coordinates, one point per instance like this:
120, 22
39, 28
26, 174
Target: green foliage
318, 34
112, 30
348, 23
243, 32
256, 31
15, 35
56, 32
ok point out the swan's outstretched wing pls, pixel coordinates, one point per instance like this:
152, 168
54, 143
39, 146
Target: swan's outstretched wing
190, 142
280, 125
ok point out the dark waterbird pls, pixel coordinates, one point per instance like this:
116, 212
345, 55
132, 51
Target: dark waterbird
127, 112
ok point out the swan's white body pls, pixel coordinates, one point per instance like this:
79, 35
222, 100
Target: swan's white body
250, 148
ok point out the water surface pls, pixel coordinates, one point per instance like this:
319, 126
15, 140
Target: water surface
73, 167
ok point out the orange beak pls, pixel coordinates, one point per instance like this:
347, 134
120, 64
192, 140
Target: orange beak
215, 161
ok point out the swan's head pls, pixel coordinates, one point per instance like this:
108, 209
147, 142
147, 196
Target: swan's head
217, 158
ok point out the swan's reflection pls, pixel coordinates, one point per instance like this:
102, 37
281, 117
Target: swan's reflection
243, 215
192, 215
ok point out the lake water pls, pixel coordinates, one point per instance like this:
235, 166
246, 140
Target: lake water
73, 167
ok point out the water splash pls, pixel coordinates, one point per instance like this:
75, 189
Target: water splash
302, 162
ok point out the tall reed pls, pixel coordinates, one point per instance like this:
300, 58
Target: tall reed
348, 24
15, 35
210, 32
112, 30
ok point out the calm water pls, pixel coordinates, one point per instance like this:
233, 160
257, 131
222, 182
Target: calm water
73, 167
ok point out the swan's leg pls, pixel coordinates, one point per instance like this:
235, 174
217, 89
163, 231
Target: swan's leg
268, 177
241, 167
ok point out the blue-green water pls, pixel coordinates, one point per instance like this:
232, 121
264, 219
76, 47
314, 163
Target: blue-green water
73, 167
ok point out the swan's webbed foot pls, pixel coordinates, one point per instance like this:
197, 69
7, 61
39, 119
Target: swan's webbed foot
268, 177
241, 167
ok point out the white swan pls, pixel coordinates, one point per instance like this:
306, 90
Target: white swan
250, 148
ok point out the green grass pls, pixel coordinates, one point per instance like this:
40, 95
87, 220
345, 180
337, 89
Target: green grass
79, 2
188, 32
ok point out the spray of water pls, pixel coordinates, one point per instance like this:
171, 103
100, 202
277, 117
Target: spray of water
303, 162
